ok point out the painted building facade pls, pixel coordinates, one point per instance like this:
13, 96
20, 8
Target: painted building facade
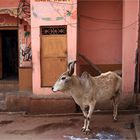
57, 31
48, 19
14, 39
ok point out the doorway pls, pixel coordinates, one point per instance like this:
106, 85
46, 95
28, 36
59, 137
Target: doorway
9, 55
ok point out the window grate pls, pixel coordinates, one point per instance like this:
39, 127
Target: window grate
54, 30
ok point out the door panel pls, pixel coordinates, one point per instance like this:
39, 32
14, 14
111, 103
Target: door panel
54, 46
0, 55
52, 68
53, 57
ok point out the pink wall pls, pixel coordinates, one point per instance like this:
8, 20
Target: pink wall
103, 46
9, 3
130, 38
100, 40
7, 20
47, 13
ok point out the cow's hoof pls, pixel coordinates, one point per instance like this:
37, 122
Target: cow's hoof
83, 129
115, 119
87, 131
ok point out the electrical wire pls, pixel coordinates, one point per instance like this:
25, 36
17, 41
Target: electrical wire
100, 29
56, 2
109, 29
108, 21
63, 3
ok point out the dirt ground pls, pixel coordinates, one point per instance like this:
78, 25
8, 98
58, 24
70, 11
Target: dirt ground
19, 127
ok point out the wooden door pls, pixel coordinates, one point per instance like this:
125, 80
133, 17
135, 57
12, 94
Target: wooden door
0, 55
53, 56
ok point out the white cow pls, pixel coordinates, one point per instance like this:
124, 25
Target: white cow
87, 90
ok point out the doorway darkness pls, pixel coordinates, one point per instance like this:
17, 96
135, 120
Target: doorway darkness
10, 54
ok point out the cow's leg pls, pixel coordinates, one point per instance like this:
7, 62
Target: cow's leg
85, 119
91, 109
115, 106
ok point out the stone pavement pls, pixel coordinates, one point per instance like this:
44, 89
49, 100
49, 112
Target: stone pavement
137, 125
2, 102
64, 127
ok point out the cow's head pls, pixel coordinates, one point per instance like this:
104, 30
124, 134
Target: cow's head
64, 81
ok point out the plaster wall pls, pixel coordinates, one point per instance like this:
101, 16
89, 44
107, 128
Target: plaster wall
130, 39
99, 31
7, 20
8, 3
51, 13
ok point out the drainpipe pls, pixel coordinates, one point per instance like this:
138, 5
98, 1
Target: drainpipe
137, 70
136, 82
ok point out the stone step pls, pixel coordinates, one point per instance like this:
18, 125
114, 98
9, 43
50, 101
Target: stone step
39, 104
52, 105
2, 102
8, 87
17, 101
3, 106
2, 96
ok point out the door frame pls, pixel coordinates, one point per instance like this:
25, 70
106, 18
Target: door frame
16, 29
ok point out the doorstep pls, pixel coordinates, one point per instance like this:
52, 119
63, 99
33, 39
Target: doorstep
39, 104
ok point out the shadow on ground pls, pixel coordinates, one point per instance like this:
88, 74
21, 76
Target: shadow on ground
99, 133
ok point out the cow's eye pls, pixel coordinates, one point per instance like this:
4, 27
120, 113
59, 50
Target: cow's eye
63, 78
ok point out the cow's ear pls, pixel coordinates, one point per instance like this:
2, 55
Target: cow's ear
85, 75
71, 68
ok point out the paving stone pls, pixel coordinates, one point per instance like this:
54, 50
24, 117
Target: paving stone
2, 105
